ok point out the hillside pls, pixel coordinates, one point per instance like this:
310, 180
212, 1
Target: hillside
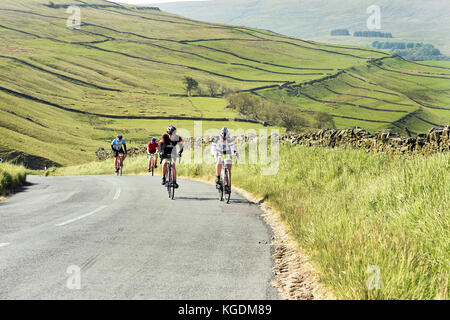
412, 20
64, 93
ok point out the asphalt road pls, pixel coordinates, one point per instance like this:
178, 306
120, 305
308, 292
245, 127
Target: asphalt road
107, 237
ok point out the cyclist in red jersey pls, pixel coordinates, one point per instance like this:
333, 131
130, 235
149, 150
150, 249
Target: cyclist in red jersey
152, 147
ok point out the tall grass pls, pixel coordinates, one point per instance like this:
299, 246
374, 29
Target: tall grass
134, 165
355, 213
11, 176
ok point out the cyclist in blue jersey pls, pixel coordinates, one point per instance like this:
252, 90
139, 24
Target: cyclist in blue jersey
119, 147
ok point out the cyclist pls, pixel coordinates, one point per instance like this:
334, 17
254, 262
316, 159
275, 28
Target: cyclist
119, 146
221, 147
168, 150
152, 147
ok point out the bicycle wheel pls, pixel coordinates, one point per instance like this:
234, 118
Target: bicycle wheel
153, 166
172, 195
121, 167
222, 186
227, 189
169, 179
118, 167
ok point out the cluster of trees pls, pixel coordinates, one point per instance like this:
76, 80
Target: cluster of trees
398, 45
411, 50
340, 32
372, 34
209, 88
51, 4
254, 108
278, 114
368, 34
147, 8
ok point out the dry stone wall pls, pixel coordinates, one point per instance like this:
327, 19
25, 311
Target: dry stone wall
387, 141
436, 140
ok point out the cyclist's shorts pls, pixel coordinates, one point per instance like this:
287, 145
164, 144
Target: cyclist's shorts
227, 159
118, 153
152, 151
168, 157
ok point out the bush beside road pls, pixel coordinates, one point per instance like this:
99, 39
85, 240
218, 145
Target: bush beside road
11, 177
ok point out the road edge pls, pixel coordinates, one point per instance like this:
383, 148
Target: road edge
295, 276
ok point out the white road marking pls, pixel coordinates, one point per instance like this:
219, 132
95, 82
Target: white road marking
117, 194
4, 244
81, 217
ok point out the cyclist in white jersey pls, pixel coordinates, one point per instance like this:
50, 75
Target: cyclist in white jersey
220, 148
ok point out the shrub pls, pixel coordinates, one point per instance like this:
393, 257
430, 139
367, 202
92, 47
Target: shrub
323, 120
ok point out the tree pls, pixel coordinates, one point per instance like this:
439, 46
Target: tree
292, 119
246, 104
202, 91
225, 90
323, 120
213, 87
190, 85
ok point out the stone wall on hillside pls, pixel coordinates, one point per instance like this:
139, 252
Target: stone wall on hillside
387, 141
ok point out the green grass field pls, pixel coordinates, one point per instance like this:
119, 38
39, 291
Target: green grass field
353, 212
125, 66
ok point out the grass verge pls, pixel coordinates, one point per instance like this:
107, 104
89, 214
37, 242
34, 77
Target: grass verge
11, 177
375, 227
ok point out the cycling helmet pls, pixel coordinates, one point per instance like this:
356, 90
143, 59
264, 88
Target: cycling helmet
171, 130
119, 136
154, 140
224, 133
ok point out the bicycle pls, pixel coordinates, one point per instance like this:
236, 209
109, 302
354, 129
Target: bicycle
225, 179
119, 165
152, 163
170, 179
